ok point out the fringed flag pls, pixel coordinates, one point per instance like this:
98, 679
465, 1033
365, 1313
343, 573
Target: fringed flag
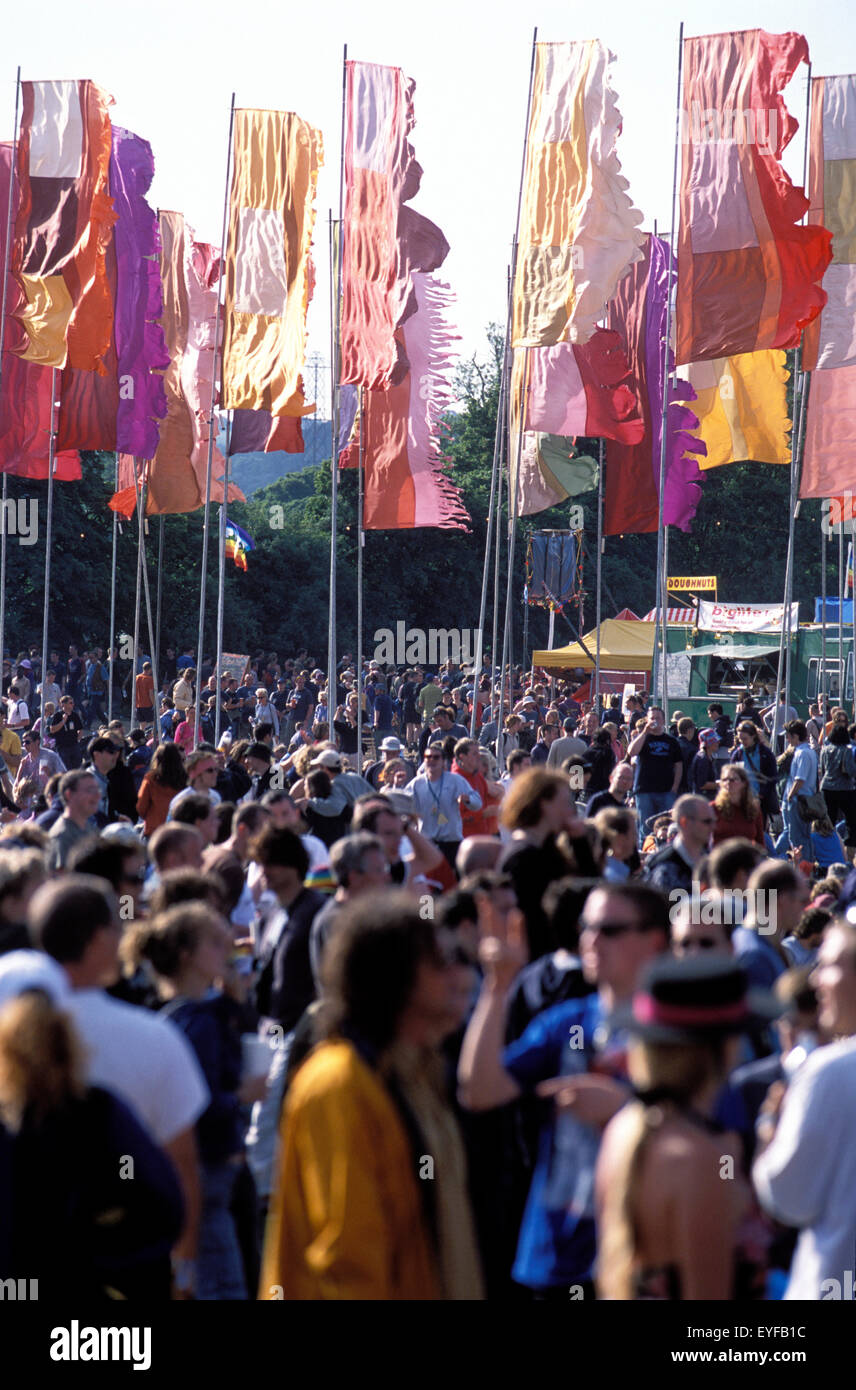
830, 340
176, 476
742, 409
384, 240
123, 408
238, 544
631, 503
748, 275
269, 271
579, 231
406, 484
25, 404
829, 459
64, 223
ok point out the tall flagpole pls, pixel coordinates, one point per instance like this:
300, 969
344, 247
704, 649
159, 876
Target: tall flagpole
6, 259
597, 698
159, 598
660, 628
335, 373
359, 592
210, 468
110, 663
148, 598
221, 581
48, 543
138, 591
494, 474
822, 683
513, 485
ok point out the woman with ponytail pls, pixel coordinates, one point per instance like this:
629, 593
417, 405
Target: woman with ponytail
676, 1218
89, 1205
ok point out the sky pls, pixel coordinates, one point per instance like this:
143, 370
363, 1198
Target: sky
172, 68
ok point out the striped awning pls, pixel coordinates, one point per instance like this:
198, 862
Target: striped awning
680, 617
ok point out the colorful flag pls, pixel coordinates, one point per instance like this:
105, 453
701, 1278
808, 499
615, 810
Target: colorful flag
830, 340
829, 451
748, 276
123, 408
579, 230
742, 409
64, 223
384, 241
238, 544
545, 467
256, 431
585, 389
269, 271
176, 476
406, 484
631, 501
25, 404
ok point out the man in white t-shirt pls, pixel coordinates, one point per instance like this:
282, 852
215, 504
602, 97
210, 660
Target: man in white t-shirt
139, 1056
805, 1172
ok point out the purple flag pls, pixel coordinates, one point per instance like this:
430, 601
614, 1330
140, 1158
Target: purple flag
140, 344
683, 474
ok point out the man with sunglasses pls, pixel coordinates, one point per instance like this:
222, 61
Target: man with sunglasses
438, 796
568, 1052
38, 764
672, 867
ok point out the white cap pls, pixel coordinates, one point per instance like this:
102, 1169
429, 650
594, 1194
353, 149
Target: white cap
24, 970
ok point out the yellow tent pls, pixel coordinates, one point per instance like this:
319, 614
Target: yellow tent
624, 646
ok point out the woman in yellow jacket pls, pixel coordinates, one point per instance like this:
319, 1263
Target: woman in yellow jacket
370, 1199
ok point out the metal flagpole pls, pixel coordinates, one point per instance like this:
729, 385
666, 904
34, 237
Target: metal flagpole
660, 632
221, 583
822, 683
138, 492
360, 684
3, 293
210, 467
335, 373
597, 616
512, 500
110, 663
159, 598
841, 613
495, 473
48, 542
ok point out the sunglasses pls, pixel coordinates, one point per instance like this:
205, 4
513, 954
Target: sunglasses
431, 758
698, 943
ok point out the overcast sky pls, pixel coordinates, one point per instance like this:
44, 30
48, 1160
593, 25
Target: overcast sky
172, 67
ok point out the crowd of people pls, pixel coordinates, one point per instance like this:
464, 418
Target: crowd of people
521, 998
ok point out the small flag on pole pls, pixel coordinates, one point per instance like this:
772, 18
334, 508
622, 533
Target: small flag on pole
848, 582
238, 543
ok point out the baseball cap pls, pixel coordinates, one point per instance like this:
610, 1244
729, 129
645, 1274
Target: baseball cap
25, 970
327, 759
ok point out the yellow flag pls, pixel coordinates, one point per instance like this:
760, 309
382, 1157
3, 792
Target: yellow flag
269, 273
742, 408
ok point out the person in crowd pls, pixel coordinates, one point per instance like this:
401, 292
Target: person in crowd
777, 897
617, 827
669, 1228
439, 796
702, 774
672, 867
805, 1164
80, 795
199, 812
737, 809
75, 921
731, 863
285, 986
658, 768
565, 746
825, 846
759, 764
360, 866
38, 764
801, 782
617, 794
165, 777
361, 1114
838, 778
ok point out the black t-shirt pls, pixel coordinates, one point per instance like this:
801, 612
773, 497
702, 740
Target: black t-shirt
66, 735
655, 765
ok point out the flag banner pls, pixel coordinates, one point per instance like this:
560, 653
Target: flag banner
551, 568
632, 484
256, 431
269, 270
742, 408
830, 340
545, 467
176, 476
64, 224
579, 231
384, 241
829, 451
238, 544
748, 276
406, 483
744, 617
123, 408
349, 400
584, 389
25, 403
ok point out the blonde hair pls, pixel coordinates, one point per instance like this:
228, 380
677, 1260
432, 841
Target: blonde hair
41, 1059
748, 803
682, 1069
